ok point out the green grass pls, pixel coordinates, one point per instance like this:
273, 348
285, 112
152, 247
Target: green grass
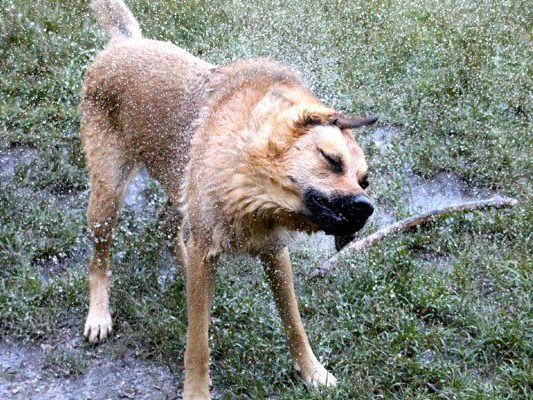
447, 307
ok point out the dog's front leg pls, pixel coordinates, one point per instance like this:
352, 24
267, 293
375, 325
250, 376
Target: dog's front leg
200, 283
279, 272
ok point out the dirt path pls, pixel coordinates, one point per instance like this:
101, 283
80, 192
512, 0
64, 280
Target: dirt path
26, 373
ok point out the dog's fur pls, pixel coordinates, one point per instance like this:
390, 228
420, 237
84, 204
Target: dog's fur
235, 147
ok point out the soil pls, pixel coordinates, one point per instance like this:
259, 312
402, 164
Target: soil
25, 374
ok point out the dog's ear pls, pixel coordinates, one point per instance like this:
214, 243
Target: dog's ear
298, 119
347, 122
301, 117
295, 122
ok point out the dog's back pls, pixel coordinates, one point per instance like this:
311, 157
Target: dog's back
148, 91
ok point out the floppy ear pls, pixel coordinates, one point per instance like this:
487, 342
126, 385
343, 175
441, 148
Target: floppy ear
320, 115
294, 122
346, 122
299, 117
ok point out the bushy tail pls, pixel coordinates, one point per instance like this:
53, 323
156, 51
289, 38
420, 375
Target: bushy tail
117, 19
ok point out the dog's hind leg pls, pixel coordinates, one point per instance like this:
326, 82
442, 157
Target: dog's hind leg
279, 272
108, 183
109, 173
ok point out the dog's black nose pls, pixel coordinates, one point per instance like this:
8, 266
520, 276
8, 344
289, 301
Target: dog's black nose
338, 215
353, 208
360, 205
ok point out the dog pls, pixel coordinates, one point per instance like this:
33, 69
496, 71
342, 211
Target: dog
245, 154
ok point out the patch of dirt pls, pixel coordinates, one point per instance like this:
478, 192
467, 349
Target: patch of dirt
421, 194
26, 374
445, 189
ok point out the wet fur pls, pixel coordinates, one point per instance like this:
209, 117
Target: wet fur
234, 147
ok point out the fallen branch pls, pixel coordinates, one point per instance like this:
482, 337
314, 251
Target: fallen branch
407, 223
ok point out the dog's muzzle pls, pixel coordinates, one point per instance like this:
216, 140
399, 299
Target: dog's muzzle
338, 215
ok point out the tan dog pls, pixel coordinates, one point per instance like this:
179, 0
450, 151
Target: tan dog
246, 153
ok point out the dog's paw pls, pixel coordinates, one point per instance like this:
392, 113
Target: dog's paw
317, 377
97, 327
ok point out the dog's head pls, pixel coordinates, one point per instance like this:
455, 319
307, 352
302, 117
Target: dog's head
324, 169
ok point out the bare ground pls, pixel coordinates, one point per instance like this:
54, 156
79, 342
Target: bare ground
26, 374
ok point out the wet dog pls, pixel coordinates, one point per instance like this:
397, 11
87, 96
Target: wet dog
244, 152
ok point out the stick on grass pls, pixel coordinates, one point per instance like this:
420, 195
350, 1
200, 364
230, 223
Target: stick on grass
496, 202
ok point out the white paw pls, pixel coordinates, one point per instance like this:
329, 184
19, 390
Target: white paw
318, 376
97, 327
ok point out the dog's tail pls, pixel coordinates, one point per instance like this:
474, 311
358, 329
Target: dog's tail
117, 19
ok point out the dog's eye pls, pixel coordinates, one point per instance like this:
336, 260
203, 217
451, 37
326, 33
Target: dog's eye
364, 182
334, 161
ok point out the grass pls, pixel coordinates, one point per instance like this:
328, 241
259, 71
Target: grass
442, 312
